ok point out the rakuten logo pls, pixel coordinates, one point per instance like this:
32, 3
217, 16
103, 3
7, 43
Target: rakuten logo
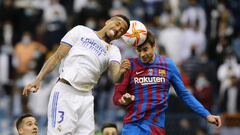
149, 80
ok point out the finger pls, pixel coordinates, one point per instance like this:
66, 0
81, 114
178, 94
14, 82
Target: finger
25, 92
219, 123
122, 101
132, 97
33, 89
125, 65
126, 95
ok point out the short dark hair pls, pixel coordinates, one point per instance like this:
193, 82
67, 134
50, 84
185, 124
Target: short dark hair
124, 18
150, 39
20, 119
109, 125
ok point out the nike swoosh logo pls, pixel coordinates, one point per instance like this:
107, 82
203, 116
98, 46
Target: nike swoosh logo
139, 72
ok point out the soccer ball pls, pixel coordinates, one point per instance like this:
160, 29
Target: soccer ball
136, 34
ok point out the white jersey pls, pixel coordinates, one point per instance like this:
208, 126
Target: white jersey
88, 58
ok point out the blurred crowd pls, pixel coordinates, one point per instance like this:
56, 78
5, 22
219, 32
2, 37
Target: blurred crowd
201, 36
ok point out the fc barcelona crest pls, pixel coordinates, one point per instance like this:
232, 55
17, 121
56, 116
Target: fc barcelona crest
162, 72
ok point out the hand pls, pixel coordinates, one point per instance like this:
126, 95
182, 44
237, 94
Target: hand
125, 65
126, 99
215, 120
32, 87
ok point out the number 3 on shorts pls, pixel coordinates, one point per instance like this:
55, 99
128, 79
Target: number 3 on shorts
61, 116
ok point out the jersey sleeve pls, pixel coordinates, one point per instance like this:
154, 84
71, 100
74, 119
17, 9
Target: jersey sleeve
114, 54
184, 94
72, 36
121, 88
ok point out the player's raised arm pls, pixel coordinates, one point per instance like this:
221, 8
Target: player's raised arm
189, 99
117, 70
48, 66
121, 96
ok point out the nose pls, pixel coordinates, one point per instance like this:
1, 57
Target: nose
35, 127
141, 53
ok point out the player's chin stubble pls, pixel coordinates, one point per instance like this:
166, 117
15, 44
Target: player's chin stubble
108, 39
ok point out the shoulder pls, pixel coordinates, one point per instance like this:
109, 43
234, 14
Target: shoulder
166, 60
81, 28
170, 61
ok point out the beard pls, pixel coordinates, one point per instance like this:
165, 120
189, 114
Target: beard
147, 59
107, 39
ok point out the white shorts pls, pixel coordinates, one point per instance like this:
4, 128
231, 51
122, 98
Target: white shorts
70, 112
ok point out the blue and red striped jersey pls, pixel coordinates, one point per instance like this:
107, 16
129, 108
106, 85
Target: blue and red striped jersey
150, 84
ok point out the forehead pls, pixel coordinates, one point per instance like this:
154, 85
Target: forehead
110, 129
29, 119
119, 19
143, 46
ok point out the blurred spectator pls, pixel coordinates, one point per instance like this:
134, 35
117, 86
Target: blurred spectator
68, 6
118, 8
209, 70
230, 101
167, 16
230, 107
175, 6
7, 35
169, 38
192, 37
226, 21
26, 51
226, 71
27, 18
78, 5
221, 29
91, 12
192, 66
54, 19
6, 52
152, 8
222, 50
203, 91
193, 13
7, 11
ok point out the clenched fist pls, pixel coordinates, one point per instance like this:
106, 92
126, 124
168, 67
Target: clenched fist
126, 99
125, 65
33, 87
214, 120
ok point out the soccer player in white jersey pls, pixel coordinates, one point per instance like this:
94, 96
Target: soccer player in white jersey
84, 55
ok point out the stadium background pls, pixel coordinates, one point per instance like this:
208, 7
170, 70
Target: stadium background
201, 36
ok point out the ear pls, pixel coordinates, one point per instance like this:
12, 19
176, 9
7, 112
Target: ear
20, 131
107, 22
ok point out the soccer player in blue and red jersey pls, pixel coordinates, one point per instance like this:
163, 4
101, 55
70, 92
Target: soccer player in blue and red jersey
145, 91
